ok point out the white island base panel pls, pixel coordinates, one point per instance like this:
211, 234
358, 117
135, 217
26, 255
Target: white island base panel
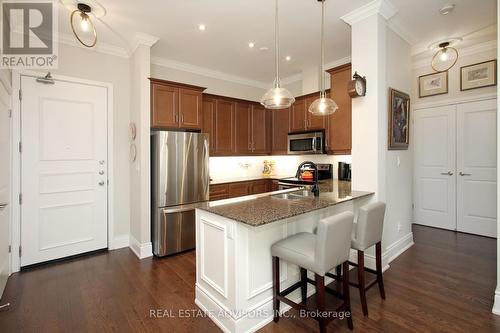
233, 266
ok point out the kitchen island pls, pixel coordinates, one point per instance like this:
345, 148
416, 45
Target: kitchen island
233, 242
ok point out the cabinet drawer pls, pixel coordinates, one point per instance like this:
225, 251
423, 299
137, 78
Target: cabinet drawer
219, 192
260, 186
239, 189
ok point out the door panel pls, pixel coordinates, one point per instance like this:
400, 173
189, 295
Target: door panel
190, 108
224, 128
314, 122
280, 129
164, 102
476, 167
5, 205
64, 170
435, 179
243, 127
298, 115
208, 121
339, 138
259, 130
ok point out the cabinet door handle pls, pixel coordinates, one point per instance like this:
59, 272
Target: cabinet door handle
449, 173
305, 123
464, 174
182, 118
176, 119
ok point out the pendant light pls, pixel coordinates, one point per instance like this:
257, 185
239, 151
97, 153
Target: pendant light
82, 26
323, 106
277, 97
445, 58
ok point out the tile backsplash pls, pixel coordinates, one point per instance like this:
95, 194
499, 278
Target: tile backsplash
235, 167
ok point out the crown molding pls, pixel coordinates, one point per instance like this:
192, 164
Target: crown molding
105, 48
173, 64
382, 7
401, 32
291, 79
143, 39
337, 63
463, 52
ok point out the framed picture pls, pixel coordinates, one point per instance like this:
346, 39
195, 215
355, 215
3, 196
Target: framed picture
399, 120
483, 74
433, 84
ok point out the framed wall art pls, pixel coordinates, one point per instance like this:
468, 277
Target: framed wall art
433, 84
483, 74
399, 120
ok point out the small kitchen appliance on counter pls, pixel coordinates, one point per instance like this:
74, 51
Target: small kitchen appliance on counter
344, 172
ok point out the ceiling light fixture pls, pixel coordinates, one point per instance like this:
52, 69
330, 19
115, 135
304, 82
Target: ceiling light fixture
82, 26
323, 105
445, 58
202, 27
447, 9
288, 58
277, 97
251, 45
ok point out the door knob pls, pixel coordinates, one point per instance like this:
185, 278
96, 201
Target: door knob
101, 162
449, 173
3, 205
464, 174
101, 172
101, 183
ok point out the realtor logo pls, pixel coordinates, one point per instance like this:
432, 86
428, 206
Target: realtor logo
29, 34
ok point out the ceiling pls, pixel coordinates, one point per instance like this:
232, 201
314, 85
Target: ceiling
231, 24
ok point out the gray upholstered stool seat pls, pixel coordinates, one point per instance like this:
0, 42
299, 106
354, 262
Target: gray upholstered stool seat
318, 253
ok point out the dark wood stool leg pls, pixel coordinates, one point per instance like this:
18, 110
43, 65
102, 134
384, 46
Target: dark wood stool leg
303, 287
338, 271
276, 288
320, 292
361, 281
347, 298
378, 259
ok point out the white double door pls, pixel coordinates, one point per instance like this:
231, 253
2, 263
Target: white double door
455, 167
63, 169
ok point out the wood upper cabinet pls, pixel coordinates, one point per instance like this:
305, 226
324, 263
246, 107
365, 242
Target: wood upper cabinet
208, 116
243, 128
260, 130
280, 128
339, 132
298, 115
224, 127
175, 105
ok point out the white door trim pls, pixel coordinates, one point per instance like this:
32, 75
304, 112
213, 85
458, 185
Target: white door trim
16, 169
453, 101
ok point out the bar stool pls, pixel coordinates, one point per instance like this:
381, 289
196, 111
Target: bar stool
367, 231
318, 253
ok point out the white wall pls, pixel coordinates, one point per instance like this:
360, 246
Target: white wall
399, 163
233, 168
213, 85
453, 77
91, 65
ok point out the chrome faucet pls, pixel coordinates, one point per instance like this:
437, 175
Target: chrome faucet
315, 188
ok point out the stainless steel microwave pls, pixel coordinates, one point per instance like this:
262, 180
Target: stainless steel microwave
306, 143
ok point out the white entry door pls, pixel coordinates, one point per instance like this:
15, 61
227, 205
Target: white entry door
477, 168
435, 185
5, 175
63, 169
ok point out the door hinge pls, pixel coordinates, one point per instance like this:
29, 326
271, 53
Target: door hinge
10, 248
10, 113
20, 147
20, 251
20, 198
20, 95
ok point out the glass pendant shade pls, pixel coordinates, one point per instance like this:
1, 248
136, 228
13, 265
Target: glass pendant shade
82, 26
323, 106
445, 58
277, 97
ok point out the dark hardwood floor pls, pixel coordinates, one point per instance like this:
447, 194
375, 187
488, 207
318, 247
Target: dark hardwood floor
444, 283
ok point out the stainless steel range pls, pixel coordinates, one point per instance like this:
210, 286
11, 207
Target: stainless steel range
179, 183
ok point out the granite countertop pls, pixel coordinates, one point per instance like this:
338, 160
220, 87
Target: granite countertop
246, 179
257, 210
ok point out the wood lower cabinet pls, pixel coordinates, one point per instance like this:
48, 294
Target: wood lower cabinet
339, 133
239, 189
175, 105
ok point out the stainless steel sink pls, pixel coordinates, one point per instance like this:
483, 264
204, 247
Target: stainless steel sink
293, 195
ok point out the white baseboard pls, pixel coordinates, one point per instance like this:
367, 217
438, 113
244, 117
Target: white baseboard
496, 303
119, 242
141, 250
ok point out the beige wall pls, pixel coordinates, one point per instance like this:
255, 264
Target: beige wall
453, 78
213, 85
87, 64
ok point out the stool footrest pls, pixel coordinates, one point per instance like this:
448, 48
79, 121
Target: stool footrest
366, 269
290, 289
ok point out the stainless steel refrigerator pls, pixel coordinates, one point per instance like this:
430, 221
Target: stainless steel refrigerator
179, 183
